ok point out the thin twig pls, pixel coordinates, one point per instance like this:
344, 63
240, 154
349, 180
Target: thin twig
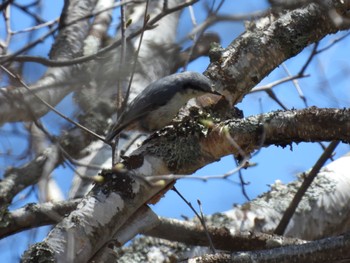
243, 183
51, 107
277, 82
29, 12
165, 5
304, 187
200, 218
273, 96
335, 41
296, 83
122, 59
219, 6
126, 98
46, 24
54, 63
205, 227
308, 61
145, 21
102, 51
120, 102
195, 37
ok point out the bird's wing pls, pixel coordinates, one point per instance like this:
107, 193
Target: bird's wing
141, 105
138, 108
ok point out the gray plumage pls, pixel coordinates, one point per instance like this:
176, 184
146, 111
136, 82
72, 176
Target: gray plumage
157, 104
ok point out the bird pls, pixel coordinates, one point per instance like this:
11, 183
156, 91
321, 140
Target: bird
158, 103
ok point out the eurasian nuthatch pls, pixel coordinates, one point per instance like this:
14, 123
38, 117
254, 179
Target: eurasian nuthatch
157, 104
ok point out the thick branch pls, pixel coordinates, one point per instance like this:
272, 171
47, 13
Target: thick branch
192, 234
183, 151
252, 56
35, 215
98, 217
325, 250
18, 179
285, 127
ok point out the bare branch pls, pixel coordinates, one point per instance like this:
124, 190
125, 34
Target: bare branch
303, 188
191, 234
18, 179
35, 215
325, 250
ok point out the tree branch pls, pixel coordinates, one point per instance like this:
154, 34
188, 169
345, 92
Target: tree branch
192, 234
54, 86
238, 68
35, 215
325, 250
18, 179
191, 151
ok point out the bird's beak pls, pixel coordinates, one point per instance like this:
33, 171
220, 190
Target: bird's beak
216, 93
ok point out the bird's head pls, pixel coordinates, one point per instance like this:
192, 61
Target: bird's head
195, 84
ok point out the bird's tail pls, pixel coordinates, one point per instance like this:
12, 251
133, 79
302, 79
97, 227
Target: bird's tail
114, 132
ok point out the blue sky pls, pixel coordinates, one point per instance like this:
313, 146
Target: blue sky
326, 90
